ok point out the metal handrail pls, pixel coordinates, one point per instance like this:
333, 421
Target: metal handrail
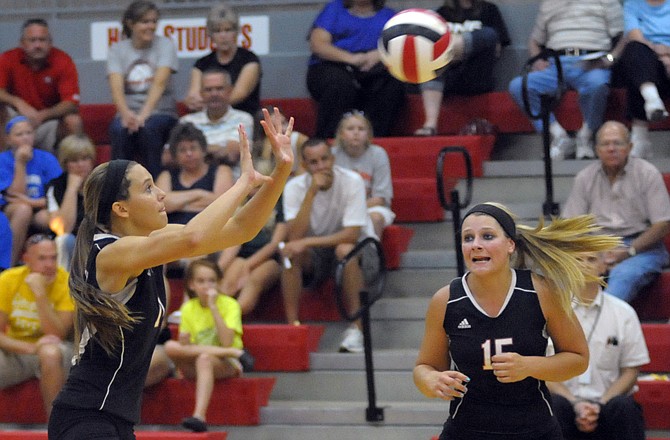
455, 205
547, 104
372, 413
378, 281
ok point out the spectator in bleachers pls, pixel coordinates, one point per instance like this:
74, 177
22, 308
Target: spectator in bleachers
251, 269
218, 120
210, 338
24, 174
139, 71
629, 199
599, 403
326, 215
482, 26
5, 242
36, 320
355, 151
40, 81
577, 32
644, 67
193, 184
345, 71
244, 67
65, 199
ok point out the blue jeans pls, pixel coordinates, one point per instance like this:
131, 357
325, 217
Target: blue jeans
145, 145
627, 278
592, 85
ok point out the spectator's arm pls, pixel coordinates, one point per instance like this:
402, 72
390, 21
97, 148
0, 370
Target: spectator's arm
623, 385
560, 389
158, 86
299, 226
321, 44
246, 82
193, 100
116, 88
57, 111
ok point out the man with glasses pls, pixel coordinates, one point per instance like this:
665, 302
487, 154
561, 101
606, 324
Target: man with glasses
629, 198
218, 120
41, 83
36, 313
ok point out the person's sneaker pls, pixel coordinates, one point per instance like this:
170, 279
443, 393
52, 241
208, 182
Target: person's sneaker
561, 147
194, 424
247, 361
584, 148
352, 341
641, 148
655, 111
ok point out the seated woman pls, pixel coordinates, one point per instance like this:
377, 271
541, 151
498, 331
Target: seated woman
65, 199
644, 67
482, 26
24, 173
194, 184
253, 268
353, 150
139, 71
345, 71
223, 26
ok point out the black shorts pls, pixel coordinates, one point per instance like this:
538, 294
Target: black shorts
550, 432
67, 423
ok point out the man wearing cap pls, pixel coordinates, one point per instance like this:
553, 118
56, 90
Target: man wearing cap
40, 82
37, 312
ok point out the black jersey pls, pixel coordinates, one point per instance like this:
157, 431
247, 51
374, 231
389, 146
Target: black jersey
491, 409
114, 383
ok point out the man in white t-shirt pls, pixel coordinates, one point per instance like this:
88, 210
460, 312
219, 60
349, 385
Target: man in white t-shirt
326, 214
599, 403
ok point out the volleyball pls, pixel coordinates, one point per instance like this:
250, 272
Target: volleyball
414, 45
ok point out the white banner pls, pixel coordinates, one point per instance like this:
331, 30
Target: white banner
188, 34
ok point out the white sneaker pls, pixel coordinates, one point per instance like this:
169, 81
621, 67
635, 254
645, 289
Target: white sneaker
561, 146
642, 149
584, 148
352, 341
655, 111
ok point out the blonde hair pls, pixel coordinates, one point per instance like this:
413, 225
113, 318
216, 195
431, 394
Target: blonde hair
219, 14
348, 115
73, 147
552, 250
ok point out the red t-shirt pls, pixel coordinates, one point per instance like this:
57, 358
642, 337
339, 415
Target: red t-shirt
56, 82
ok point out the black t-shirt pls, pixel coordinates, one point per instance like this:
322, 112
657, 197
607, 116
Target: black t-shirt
59, 184
489, 15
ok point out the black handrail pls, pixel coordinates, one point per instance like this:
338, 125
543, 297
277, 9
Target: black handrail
455, 205
547, 104
368, 297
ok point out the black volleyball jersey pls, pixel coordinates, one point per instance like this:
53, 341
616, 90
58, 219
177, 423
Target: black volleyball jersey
490, 407
114, 383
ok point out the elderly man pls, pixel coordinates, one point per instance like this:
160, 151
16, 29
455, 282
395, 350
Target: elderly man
219, 121
326, 214
599, 404
37, 312
578, 32
40, 82
629, 198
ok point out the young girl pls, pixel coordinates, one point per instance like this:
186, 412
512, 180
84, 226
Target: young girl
24, 174
210, 337
486, 332
117, 281
353, 150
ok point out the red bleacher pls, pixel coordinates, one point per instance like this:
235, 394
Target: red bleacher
140, 435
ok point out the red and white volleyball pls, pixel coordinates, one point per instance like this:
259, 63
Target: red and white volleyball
414, 45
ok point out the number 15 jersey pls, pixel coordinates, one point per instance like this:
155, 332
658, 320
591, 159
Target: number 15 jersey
491, 407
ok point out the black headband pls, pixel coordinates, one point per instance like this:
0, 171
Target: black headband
116, 171
502, 217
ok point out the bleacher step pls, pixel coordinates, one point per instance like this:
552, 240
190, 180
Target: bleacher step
382, 359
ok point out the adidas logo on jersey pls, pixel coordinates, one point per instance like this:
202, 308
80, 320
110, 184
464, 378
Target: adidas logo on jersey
464, 324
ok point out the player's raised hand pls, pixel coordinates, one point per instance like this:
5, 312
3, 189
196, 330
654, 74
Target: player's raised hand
246, 164
280, 138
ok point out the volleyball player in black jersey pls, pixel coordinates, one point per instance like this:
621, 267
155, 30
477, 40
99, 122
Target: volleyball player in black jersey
118, 286
486, 332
